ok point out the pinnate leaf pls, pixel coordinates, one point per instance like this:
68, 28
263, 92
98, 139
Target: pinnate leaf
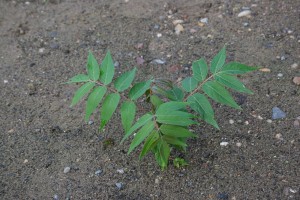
128, 110
189, 84
83, 90
93, 67
232, 82
141, 122
79, 78
124, 81
201, 105
176, 131
237, 68
150, 142
218, 93
107, 69
109, 106
139, 89
93, 101
218, 61
200, 69
141, 135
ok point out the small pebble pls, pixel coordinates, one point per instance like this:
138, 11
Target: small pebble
178, 21
178, 29
119, 185
279, 136
156, 26
25, 161
54, 45
67, 170
282, 58
246, 123
224, 143
156, 181
116, 64
10, 131
238, 144
296, 80
158, 35
5, 81
98, 172
294, 66
245, 24
231, 121
277, 113
90, 122
41, 50
244, 13
222, 196
159, 61
55, 197
120, 171
279, 75
140, 60
27, 3
204, 20
293, 191
269, 121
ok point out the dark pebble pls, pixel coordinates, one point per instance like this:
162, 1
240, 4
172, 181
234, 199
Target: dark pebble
53, 34
54, 45
222, 196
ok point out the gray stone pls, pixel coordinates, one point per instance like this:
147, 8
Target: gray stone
277, 113
67, 170
98, 172
119, 185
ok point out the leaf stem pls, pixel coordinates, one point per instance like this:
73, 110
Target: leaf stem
198, 88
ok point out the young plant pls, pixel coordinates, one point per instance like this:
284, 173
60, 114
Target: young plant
174, 106
179, 162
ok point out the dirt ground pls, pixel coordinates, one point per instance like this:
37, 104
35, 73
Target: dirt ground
45, 42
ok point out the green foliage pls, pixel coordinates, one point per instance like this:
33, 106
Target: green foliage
179, 162
174, 106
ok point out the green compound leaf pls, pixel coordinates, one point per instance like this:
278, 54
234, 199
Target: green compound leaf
174, 141
139, 89
79, 78
218, 61
162, 153
237, 68
93, 101
128, 110
232, 82
201, 105
176, 131
189, 84
150, 142
218, 93
93, 67
200, 69
141, 135
83, 90
176, 94
124, 81
109, 106
107, 69
141, 122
